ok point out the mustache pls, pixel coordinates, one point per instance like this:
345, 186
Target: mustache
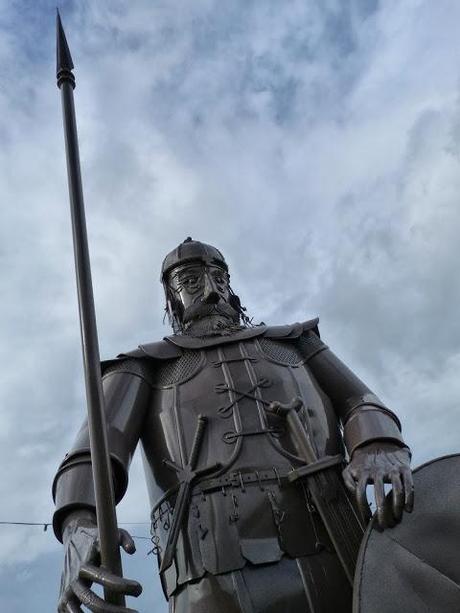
203, 309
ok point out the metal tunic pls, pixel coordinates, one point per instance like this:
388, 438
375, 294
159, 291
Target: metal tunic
251, 517
244, 513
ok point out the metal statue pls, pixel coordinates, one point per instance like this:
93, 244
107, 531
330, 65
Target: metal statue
249, 434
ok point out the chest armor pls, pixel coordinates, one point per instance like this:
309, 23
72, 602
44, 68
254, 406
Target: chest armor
241, 512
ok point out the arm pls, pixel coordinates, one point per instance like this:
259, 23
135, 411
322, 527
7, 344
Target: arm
126, 393
372, 433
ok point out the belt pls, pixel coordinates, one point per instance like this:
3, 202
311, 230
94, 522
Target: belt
242, 478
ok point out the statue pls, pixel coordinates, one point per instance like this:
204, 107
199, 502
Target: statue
245, 431
236, 525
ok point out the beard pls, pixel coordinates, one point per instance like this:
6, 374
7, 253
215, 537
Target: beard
204, 319
200, 310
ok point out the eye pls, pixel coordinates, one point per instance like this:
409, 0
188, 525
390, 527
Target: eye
220, 279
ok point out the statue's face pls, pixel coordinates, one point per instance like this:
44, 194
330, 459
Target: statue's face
197, 283
202, 290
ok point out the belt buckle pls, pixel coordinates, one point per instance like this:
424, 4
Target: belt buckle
234, 480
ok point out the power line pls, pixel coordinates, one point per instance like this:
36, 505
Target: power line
45, 526
25, 523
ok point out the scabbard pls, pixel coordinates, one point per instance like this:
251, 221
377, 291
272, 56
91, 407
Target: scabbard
180, 511
341, 518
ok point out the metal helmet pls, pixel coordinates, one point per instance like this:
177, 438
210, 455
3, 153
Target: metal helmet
190, 251
194, 251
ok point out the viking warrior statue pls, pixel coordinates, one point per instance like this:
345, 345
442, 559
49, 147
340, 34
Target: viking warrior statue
249, 434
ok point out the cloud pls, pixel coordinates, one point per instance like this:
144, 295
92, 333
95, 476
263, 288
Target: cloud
316, 144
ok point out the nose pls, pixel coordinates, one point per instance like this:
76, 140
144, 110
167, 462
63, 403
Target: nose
210, 294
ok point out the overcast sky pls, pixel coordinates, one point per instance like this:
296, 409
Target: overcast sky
316, 143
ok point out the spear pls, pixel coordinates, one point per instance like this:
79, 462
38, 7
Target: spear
102, 474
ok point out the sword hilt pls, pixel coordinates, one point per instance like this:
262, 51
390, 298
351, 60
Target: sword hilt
290, 412
283, 410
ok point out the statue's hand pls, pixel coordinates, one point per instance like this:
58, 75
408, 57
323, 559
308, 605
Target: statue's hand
382, 462
82, 568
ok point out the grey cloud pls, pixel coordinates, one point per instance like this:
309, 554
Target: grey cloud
317, 147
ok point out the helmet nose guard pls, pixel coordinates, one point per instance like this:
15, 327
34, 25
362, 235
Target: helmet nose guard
190, 251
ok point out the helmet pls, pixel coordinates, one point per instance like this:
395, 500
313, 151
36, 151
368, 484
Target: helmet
189, 251
194, 251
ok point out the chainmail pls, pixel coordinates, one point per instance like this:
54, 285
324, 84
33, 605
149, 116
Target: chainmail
159, 373
177, 370
281, 352
310, 344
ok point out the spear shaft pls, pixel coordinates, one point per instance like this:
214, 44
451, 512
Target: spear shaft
102, 474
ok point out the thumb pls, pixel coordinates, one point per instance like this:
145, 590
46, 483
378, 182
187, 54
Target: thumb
126, 541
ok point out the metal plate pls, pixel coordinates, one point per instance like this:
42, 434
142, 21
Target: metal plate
415, 567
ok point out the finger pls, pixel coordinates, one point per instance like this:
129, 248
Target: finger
94, 555
73, 607
112, 582
96, 604
397, 496
360, 492
348, 480
379, 495
126, 541
68, 602
408, 489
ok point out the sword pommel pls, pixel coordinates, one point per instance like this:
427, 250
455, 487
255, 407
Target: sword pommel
283, 410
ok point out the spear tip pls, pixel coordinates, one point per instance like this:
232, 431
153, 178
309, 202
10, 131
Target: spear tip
64, 63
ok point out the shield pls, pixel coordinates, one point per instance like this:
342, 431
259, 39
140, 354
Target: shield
415, 567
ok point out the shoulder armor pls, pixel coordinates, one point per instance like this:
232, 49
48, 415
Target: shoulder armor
292, 331
160, 350
172, 346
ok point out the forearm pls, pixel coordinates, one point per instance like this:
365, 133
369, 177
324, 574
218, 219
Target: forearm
76, 518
